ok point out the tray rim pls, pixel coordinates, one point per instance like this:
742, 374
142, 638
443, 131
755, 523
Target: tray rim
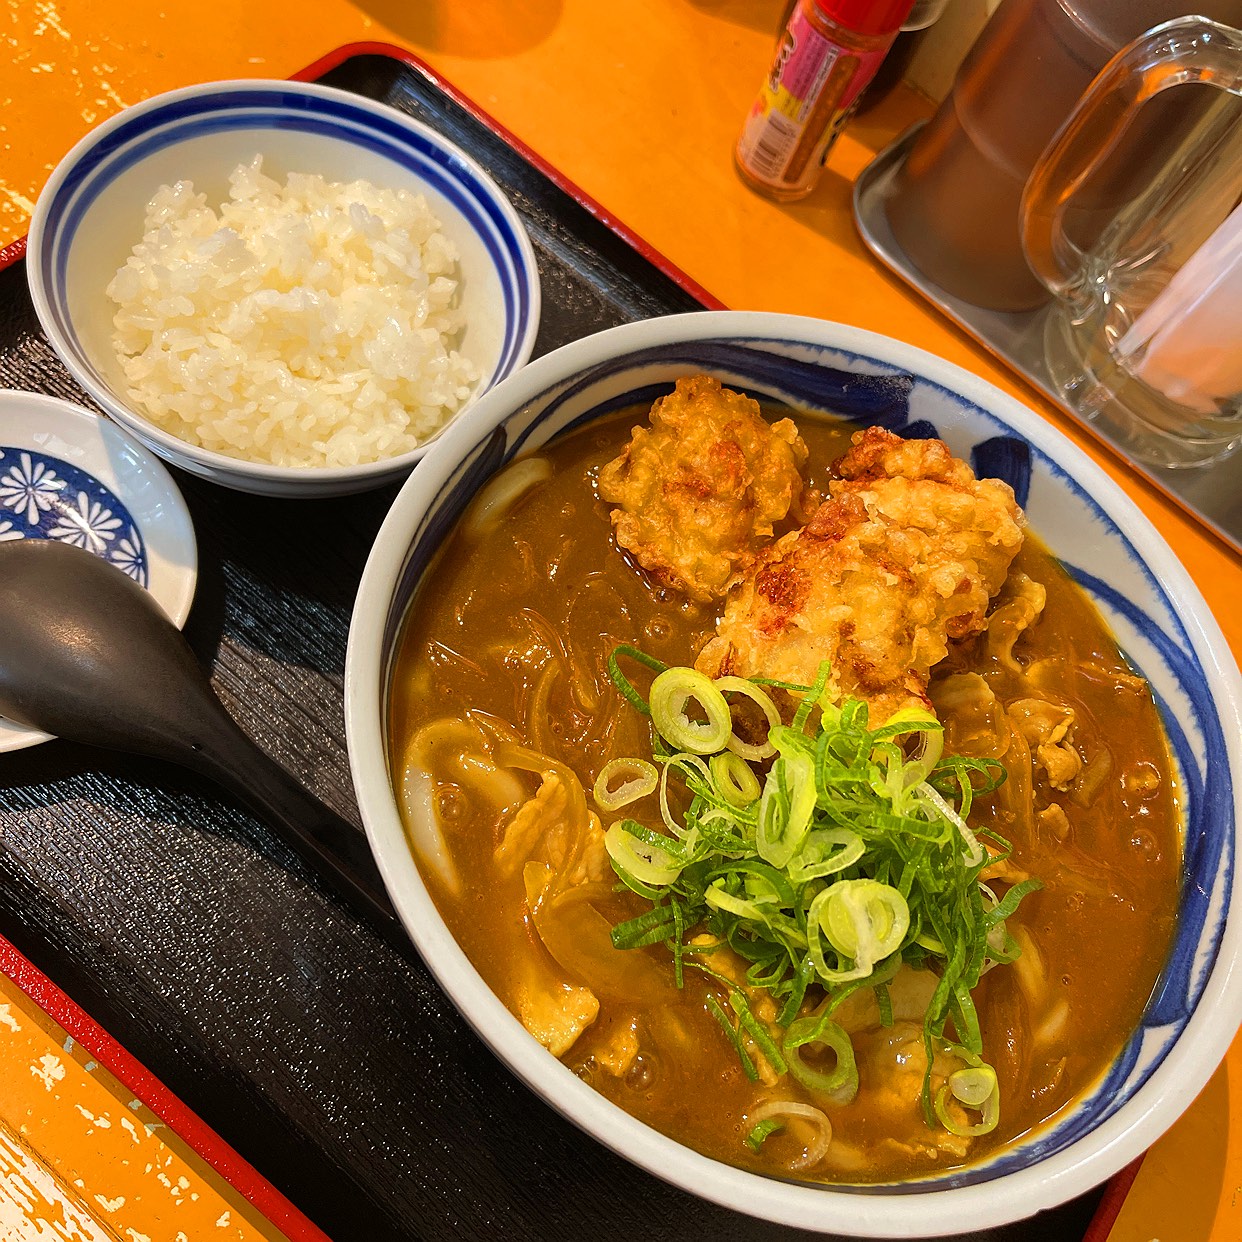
161, 1100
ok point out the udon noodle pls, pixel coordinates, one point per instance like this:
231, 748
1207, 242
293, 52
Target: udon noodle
504, 715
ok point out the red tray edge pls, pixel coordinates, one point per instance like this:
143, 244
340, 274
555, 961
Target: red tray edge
179, 1117
1115, 1191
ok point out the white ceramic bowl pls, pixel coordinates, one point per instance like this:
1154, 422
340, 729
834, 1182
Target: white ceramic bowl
1152, 605
90, 215
68, 474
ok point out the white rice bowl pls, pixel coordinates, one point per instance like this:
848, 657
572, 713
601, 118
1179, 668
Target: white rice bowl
304, 324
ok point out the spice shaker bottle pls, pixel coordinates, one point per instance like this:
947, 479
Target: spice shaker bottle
829, 50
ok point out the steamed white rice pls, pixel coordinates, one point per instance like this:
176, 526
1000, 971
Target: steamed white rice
309, 324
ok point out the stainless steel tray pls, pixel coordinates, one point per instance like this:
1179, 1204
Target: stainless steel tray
1212, 494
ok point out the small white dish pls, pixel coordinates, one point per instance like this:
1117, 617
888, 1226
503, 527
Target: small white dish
90, 216
70, 475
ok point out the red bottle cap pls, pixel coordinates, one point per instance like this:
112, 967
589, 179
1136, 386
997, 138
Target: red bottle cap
868, 17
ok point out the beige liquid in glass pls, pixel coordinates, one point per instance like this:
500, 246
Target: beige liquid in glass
955, 207
1089, 346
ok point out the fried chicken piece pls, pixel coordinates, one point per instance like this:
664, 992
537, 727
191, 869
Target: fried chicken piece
903, 556
699, 492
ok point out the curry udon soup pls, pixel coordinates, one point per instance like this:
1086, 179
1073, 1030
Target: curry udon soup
504, 714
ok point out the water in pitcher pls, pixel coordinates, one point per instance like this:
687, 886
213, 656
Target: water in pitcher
955, 207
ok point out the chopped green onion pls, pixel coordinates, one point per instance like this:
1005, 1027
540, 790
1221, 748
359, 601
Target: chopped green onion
740, 685
975, 853
864, 920
965, 1018
813, 694
884, 1002
1004, 908
651, 927
643, 854
851, 859
735, 1038
815, 1118
842, 1080
671, 692
755, 1029
791, 686
734, 779
679, 943
825, 852
623, 683
793, 1002
638, 779
720, 898
975, 1088
930, 943
785, 807
754, 1140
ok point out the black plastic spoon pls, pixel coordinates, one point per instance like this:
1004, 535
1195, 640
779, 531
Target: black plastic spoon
88, 655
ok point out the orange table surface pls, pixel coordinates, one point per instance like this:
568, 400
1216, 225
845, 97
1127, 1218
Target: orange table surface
638, 102
82, 1158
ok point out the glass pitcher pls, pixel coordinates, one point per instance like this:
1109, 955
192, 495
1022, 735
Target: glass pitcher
1145, 336
954, 203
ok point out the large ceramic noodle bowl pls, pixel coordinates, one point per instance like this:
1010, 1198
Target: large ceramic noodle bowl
807, 771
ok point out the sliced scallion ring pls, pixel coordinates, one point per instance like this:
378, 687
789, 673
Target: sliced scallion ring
622, 781
639, 852
785, 808
734, 778
864, 920
842, 1080
790, 1110
973, 1085
825, 851
762, 700
814, 923
671, 693
930, 740
754, 1140
975, 1088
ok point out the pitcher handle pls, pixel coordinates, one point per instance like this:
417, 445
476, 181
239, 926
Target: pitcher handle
1186, 49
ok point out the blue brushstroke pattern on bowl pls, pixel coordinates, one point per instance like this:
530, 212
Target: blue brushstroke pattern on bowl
90, 215
434, 160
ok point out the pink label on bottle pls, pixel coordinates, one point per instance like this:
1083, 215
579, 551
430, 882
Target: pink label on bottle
802, 69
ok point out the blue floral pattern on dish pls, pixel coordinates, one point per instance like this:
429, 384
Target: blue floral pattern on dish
43, 497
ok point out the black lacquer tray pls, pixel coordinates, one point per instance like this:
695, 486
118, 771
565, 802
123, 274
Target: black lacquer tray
338, 1069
